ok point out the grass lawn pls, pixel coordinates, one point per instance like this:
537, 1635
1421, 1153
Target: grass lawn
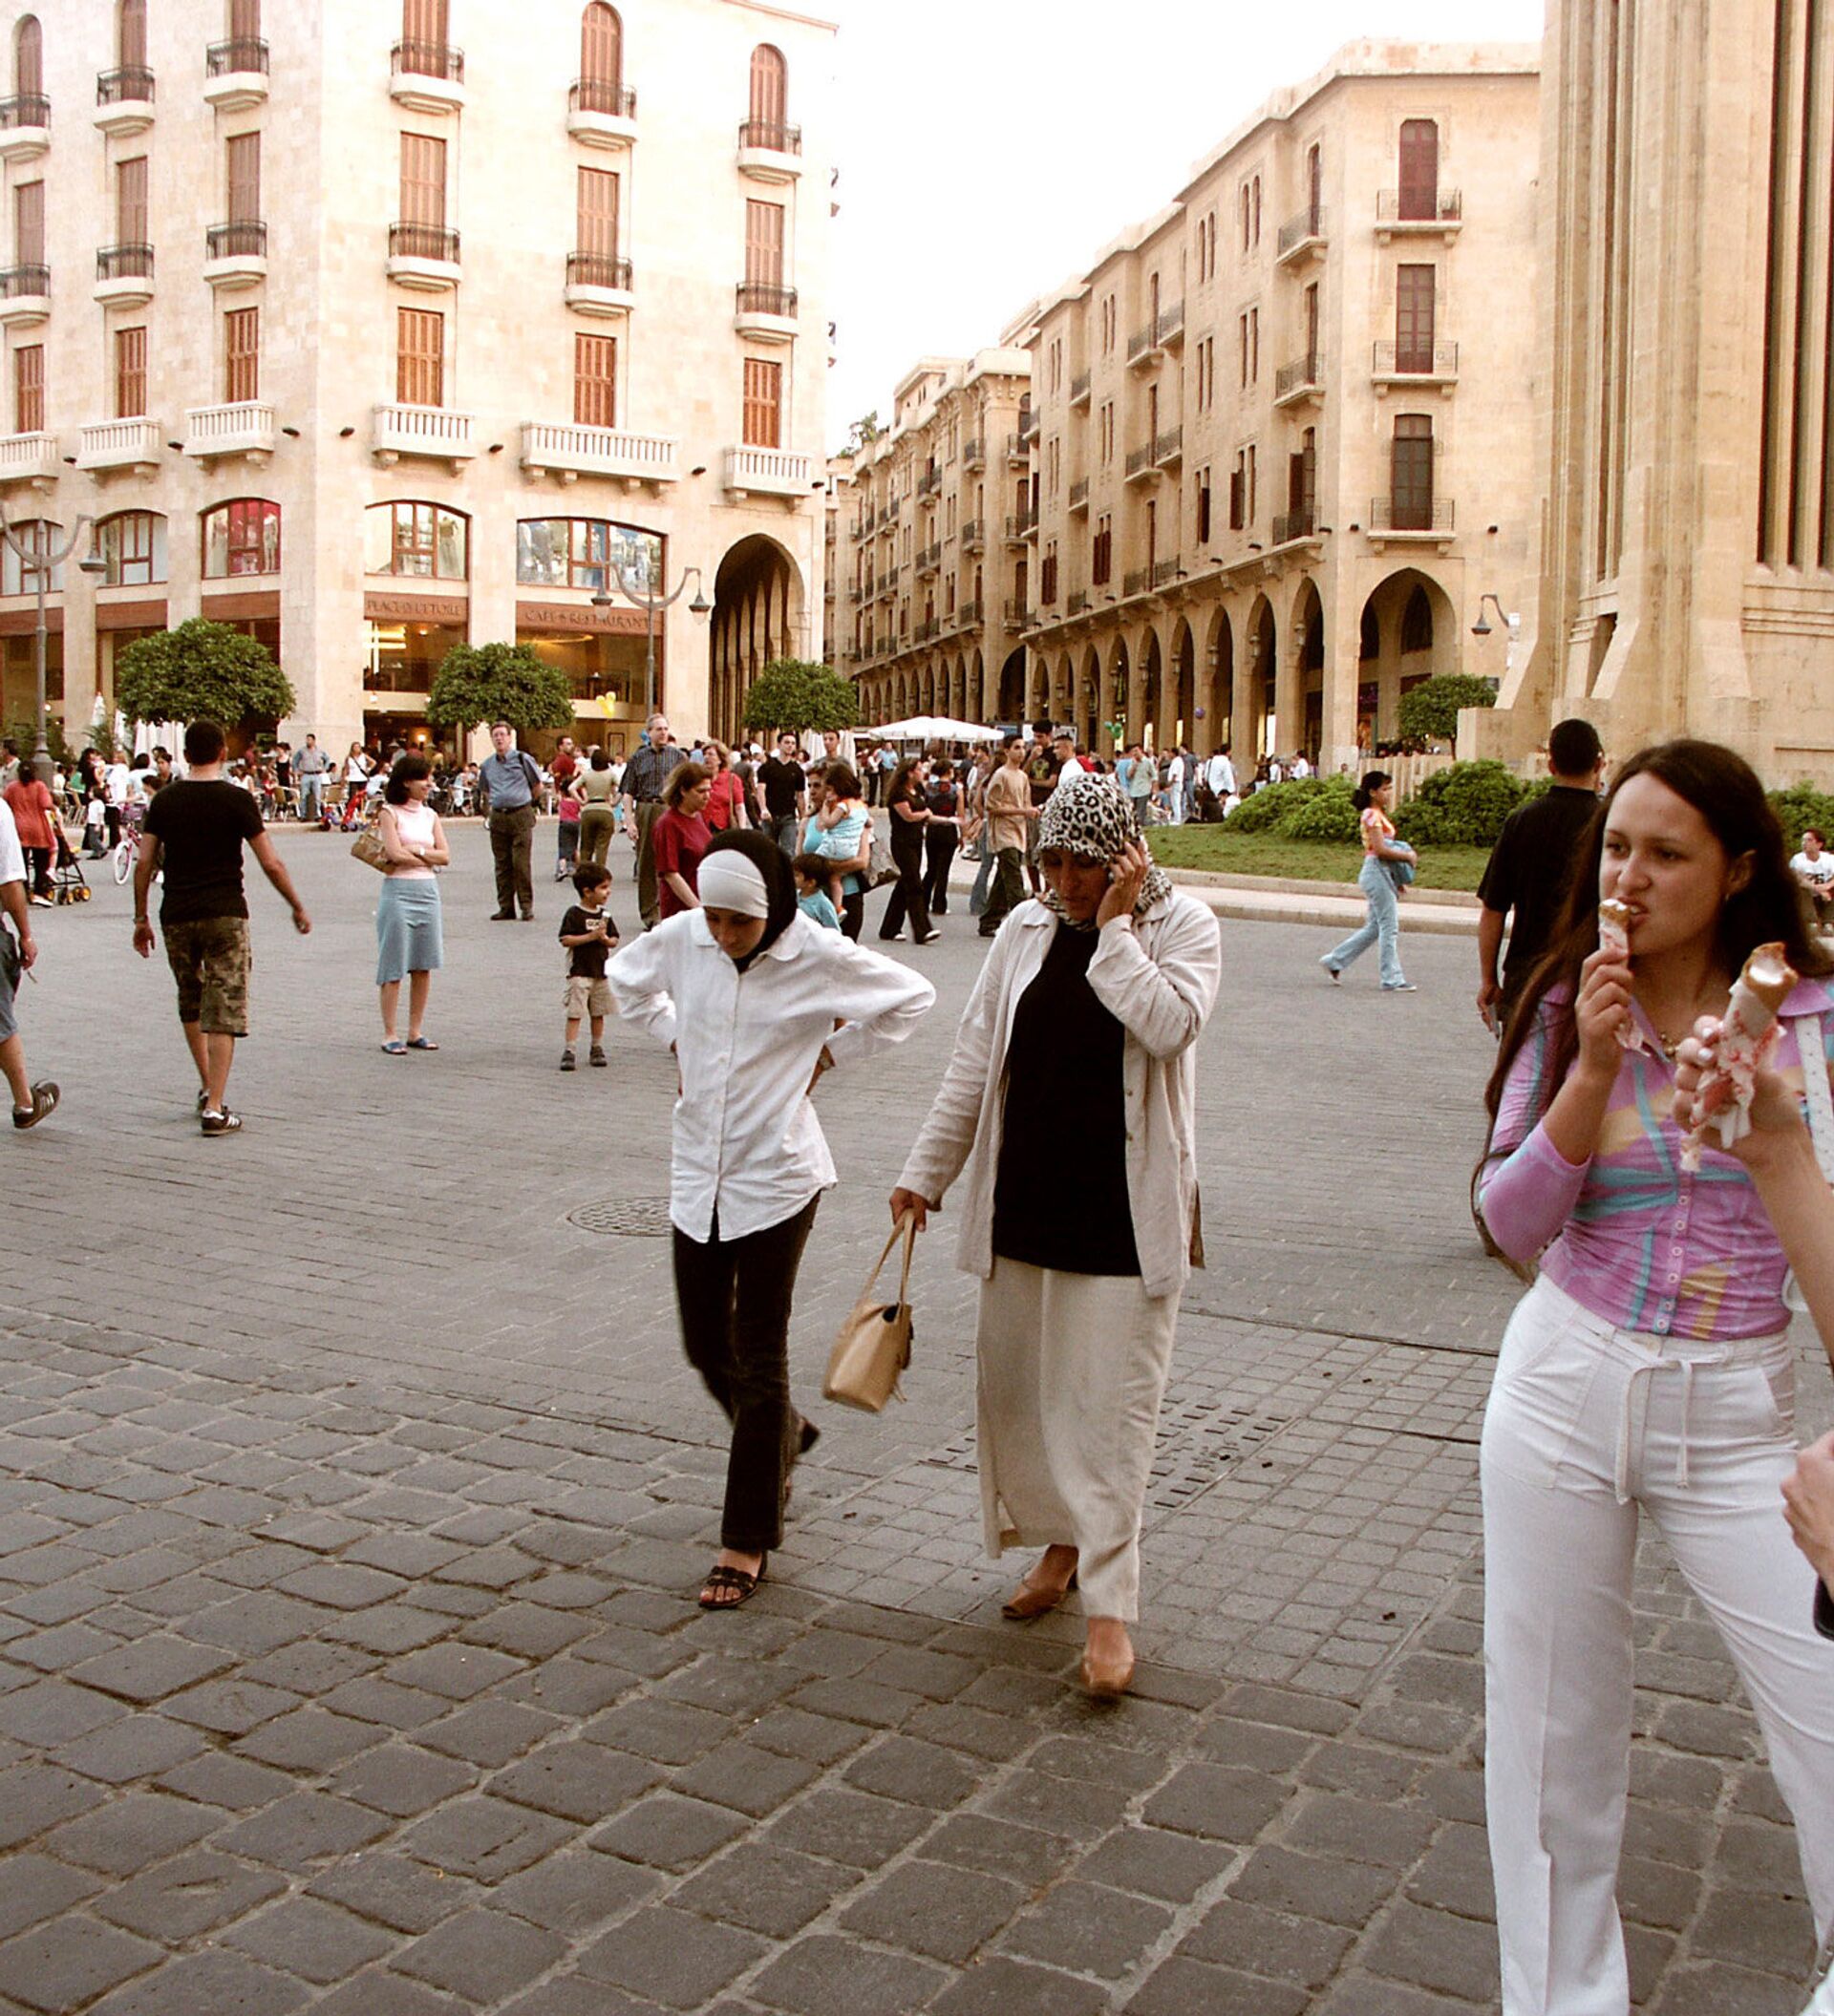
1311, 860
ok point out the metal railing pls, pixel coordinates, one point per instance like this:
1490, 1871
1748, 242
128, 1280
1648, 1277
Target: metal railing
600, 94
888, 580
1296, 231
428, 59
930, 557
888, 513
761, 297
1289, 525
1295, 376
1077, 602
1080, 494
1164, 570
1017, 615
1019, 523
1420, 207
929, 482
1015, 450
973, 534
1166, 323
246, 238
973, 452
124, 262
926, 629
773, 135
1415, 360
598, 270
1139, 458
969, 614
423, 242
31, 108
1388, 514
1169, 446
18, 281
239, 56
1028, 425
131, 84
1136, 580
1079, 388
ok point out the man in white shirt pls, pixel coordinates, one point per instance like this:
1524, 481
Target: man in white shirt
116, 781
1814, 868
1070, 765
1175, 787
18, 953
1219, 775
1300, 768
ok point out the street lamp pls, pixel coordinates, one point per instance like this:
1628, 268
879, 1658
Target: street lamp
1511, 623
652, 607
40, 560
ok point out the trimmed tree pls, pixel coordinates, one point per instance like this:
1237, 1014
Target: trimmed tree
1432, 708
792, 693
499, 682
200, 671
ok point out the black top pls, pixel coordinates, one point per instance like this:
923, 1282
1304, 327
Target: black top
1530, 869
783, 784
586, 962
908, 835
1061, 1192
200, 825
943, 799
648, 771
1823, 1610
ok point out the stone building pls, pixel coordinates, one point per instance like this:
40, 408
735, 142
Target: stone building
934, 587
370, 342
1283, 444
1685, 384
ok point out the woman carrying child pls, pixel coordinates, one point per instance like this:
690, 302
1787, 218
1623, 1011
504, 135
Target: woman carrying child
840, 830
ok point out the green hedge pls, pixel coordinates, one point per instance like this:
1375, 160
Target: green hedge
1803, 805
1268, 810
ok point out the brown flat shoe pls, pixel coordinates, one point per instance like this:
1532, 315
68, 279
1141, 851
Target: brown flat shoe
1106, 1678
1032, 1598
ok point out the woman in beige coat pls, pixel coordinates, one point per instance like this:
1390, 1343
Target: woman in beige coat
1070, 1101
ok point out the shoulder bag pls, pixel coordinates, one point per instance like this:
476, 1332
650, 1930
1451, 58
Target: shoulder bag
368, 848
880, 866
874, 1345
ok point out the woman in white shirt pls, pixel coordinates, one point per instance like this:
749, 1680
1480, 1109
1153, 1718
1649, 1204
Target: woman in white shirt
408, 939
756, 1003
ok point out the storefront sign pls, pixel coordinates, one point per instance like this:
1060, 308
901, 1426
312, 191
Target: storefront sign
577, 616
380, 607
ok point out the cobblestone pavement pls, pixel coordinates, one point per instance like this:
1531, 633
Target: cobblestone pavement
352, 1491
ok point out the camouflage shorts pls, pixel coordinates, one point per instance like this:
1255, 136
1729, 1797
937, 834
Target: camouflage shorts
209, 960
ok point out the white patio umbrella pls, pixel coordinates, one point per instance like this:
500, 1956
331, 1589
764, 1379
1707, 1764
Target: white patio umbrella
934, 728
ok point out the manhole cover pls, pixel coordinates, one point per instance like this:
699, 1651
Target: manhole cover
630, 1217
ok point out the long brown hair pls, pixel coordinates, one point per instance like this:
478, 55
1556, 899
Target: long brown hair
1726, 791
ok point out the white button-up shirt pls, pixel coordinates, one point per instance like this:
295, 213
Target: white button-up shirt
747, 1142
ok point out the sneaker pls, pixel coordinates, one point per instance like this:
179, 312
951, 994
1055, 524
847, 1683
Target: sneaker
891, 938
41, 902
1400, 987
224, 1122
929, 938
597, 1057
568, 1062
44, 1101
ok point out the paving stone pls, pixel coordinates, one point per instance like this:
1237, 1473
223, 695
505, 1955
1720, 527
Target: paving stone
1088, 1931
131, 1831
921, 1773
1455, 1874
212, 1983
37, 1888
455, 1671
940, 1912
484, 1838
1730, 1991
998, 1987
1036, 1799
34, 1797
664, 1731
308, 1740
1434, 1949
394, 1891
52, 1712
848, 1827
215, 1778
301, 1830
667, 1832
1766, 1933
678, 1961
823, 1976
1188, 1987
794, 1733
1217, 1802
488, 1733
481, 1955
1254, 1940
576, 1890
314, 1940
1153, 1861
70, 1962
188, 1896
1359, 1831
136, 1747
1027, 1855
768, 1890
398, 1778
151, 1668
1338, 1891
748, 1778
230, 1707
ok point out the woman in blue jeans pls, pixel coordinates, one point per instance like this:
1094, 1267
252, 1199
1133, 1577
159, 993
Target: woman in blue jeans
1373, 797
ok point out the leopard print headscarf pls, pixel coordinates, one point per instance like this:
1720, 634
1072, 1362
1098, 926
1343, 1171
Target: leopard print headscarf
1093, 819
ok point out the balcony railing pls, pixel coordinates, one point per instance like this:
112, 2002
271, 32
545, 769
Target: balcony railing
771, 136
926, 629
124, 262
1136, 580
436, 431
428, 59
973, 534
1167, 570
131, 84
1140, 459
929, 482
930, 557
599, 451
757, 297
1295, 376
244, 427
888, 580
30, 109
1420, 207
1028, 425
1018, 616
969, 614
1415, 360
616, 101
1079, 388
1080, 494
598, 270
1019, 523
246, 238
973, 452
1307, 227
1169, 446
1161, 329
1077, 602
1404, 514
16, 281
423, 242
888, 513
240, 56
1289, 525
1015, 448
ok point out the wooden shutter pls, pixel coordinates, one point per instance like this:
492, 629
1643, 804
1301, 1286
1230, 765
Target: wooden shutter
242, 158
764, 243
595, 380
598, 213
29, 58
29, 224
130, 373
1419, 169
763, 403
423, 180
1414, 317
770, 86
130, 43
1411, 473
601, 47
131, 225
421, 358
242, 354
29, 389
1311, 331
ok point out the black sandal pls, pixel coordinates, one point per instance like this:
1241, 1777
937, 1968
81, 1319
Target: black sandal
720, 1577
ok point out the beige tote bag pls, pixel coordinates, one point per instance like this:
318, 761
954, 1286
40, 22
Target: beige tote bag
874, 1345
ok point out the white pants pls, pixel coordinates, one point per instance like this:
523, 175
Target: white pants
1587, 1426
1071, 1369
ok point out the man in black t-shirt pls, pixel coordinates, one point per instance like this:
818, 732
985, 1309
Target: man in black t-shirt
782, 795
194, 830
1531, 867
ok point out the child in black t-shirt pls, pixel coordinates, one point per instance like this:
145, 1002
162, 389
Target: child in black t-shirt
590, 937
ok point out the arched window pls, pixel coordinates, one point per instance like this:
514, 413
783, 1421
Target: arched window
1416, 623
133, 547
768, 118
425, 541
29, 58
130, 34
1419, 169
584, 553
17, 574
241, 537
601, 50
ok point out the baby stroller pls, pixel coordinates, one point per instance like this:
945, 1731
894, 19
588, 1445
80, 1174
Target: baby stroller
66, 883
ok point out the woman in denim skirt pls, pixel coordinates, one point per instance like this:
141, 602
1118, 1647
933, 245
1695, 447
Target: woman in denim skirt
409, 944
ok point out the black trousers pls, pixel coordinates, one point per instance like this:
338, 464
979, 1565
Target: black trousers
853, 915
734, 1296
939, 851
907, 897
512, 845
1007, 891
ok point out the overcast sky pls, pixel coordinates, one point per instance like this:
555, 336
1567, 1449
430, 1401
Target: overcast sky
989, 148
